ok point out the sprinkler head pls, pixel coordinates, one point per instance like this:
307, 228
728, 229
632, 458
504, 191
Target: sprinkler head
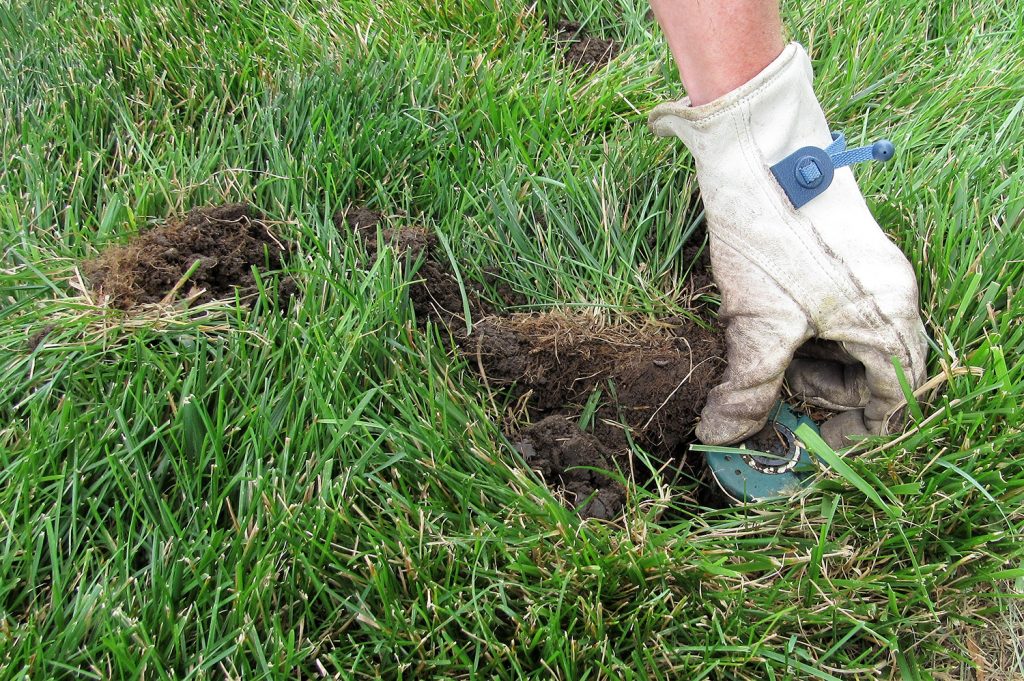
773, 464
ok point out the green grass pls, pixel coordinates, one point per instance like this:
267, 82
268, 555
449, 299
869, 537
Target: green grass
261, 495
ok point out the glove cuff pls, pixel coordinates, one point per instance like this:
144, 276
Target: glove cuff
776, 111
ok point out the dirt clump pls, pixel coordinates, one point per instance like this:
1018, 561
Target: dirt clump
581, 49
576, 463
653, 382
642, 384
699, 282
410, 241
358, 218
37, 338
223, 243
435, 292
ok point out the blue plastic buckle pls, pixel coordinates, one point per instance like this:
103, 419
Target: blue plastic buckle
808, 171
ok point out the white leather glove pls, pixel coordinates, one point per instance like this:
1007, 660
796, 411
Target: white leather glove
824, 270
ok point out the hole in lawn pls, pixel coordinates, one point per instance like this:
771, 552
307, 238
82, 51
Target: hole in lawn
222, 244
582, 50
586, 389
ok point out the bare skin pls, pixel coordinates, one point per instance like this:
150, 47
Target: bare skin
719, 45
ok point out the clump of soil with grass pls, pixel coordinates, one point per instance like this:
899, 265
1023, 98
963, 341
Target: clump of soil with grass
222, 244
577, 461
438, 296
645, 384
581, 49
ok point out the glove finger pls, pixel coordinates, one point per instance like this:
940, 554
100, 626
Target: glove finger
758, 351
833, 385
885, 395
838, 430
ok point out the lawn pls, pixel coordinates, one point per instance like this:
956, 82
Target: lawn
322, 486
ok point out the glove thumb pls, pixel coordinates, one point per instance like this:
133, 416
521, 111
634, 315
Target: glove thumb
758, 350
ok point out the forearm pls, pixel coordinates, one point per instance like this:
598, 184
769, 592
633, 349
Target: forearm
719, 45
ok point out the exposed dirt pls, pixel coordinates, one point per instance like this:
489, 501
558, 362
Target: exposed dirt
653, 380
227, 242
436, 294
36, 339
560, 451
410, 241
582, 49
768, 440
361, 219
700, 281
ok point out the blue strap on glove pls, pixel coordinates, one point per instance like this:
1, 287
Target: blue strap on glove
808, 171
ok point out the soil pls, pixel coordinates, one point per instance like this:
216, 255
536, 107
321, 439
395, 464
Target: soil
700, 280
36, 339
227, 241
653, 380
768, 440
360, 219
559, 450
582, 49
435, 294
